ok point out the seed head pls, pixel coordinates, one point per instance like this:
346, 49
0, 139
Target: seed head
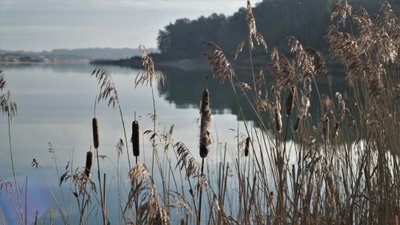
325, 127
222, 69
95, 127
88, 165
135, 138
205, 139
247, 146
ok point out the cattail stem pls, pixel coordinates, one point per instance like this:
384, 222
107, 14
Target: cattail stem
51, 216
100, 186
103, 202
201, 193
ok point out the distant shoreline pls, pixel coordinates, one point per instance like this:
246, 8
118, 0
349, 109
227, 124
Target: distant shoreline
12, 59
159, 61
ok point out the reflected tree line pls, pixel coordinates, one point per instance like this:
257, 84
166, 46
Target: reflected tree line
184, 88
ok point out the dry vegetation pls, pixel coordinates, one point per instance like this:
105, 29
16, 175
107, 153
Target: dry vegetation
346, 168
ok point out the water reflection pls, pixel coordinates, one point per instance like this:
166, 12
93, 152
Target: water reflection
184, 88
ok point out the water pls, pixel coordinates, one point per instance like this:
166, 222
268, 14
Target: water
56, 106
53, 126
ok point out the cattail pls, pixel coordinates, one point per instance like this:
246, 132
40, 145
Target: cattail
341, 113
88, 165
341, 106
290, 100
335, 130
135, 138
246, 149
296, 124
205, 139
376, 85
325, 127
95, 127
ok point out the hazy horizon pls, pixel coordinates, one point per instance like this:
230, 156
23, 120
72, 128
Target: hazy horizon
45, 25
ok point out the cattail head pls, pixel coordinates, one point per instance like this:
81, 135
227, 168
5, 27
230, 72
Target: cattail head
205, 139
296, 124
88, 165
95, 127
290, 100
135, 138
335, 130
325, 126
247, 146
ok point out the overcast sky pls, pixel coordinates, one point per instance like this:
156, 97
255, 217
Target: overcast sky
49, 24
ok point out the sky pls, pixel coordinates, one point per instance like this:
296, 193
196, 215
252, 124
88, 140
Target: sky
38, 25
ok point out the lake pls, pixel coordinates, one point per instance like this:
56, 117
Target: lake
54, 126
56, 107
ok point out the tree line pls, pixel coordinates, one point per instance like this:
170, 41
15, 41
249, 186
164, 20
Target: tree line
307, 20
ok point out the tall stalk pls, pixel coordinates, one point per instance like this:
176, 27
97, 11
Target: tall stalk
201, 192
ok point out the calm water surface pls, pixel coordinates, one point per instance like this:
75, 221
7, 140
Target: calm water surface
56, 105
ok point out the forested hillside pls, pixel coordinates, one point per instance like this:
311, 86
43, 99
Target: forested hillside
307, 20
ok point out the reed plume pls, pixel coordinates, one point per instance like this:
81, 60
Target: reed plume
305, 102
205, 139
222, 68
149, 74
341, 11
278, 115
108, 92
8, 106
3, 82
252, 28
276, 89
186, 160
